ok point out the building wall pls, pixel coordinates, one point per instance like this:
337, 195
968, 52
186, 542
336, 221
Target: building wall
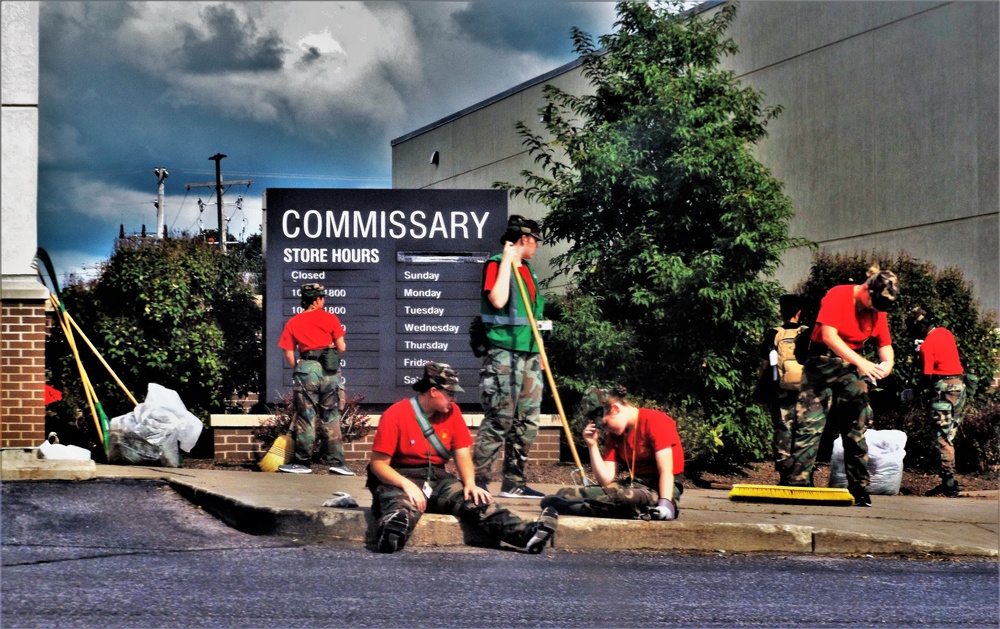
888, 140
22, 297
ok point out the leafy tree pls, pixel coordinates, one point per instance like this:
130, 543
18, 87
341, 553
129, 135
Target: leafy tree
673, 227
175, 312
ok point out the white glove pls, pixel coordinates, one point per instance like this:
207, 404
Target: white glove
664, 510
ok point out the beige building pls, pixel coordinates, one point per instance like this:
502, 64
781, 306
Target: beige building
888, 140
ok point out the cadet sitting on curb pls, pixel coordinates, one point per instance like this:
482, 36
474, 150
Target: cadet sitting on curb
414, 439
646, 442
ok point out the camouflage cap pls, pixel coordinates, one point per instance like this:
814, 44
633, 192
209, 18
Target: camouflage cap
441, 376
313, 291
518, 226
883, 289
595, 405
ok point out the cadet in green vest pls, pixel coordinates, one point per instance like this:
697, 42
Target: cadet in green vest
510, 383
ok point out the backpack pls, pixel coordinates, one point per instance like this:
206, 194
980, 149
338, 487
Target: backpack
789, 369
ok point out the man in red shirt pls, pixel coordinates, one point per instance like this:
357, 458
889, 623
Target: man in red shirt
943, 379
318, 337
415, 439
836, 377
646, 444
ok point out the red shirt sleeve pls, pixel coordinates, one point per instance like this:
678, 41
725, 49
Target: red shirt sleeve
490, 280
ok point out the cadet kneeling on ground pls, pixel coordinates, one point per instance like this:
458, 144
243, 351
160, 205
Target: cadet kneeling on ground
414, 439
646, 442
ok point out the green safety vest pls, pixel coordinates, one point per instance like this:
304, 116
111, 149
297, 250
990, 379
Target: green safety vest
509, 327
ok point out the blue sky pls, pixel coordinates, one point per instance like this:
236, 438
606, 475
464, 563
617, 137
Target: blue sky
296, 94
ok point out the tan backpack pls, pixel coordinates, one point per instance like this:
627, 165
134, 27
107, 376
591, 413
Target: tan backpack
789, 369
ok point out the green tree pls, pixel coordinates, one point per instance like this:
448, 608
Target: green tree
175, 312
674, 228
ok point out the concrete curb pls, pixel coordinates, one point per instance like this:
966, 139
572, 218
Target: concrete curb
575, 533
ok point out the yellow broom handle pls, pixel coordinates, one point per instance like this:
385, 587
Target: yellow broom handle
88, 391
101, 358
545, 364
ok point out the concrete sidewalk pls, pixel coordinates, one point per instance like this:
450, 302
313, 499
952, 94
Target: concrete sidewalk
291, 505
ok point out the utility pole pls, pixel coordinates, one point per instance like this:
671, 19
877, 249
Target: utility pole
161, 176
217, 158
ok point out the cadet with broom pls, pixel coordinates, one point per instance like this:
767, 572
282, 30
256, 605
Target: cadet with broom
414, 440
318, 336
510, 382
646, 444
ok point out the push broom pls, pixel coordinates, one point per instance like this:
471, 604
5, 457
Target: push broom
578, 472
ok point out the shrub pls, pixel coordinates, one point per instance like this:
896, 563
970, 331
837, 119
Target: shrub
354, 424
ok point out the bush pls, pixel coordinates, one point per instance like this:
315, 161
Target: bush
354, 424
952, 301
175, 312
945, 293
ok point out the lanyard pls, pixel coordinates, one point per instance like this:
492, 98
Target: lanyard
631, 468
428, 430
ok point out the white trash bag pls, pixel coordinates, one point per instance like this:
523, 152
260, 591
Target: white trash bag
53, 450
155, 431
886, 450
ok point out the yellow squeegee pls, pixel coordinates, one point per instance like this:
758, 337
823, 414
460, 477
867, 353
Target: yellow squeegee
782, 493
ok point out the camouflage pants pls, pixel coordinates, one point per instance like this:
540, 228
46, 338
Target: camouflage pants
448, 497
510, 388
626, 502
945, 410
832, 391
783, 413
317, 414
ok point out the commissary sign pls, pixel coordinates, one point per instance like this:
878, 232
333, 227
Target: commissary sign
401, 269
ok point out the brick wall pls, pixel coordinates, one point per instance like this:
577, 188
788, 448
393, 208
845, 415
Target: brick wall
238, 444
22, 373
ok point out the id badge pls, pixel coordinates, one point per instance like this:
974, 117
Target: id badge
426, 489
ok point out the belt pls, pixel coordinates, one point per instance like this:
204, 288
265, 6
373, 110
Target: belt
819, 349
939, 377
313, 354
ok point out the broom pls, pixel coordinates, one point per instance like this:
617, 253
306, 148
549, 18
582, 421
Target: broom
782, 493
586, 482
278, 454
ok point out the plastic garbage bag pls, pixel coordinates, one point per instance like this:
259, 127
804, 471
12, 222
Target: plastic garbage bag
886, 451
54, 450
155, 432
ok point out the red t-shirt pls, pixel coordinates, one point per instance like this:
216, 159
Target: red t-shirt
940, 354
854, 328
491, 278
311, 329
653, 432
399, 436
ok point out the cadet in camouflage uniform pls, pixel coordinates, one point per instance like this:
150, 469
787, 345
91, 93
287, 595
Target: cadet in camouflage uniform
648, 447
510, 382
319, 338
835, 378
407, 475
944, 382
780, 401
